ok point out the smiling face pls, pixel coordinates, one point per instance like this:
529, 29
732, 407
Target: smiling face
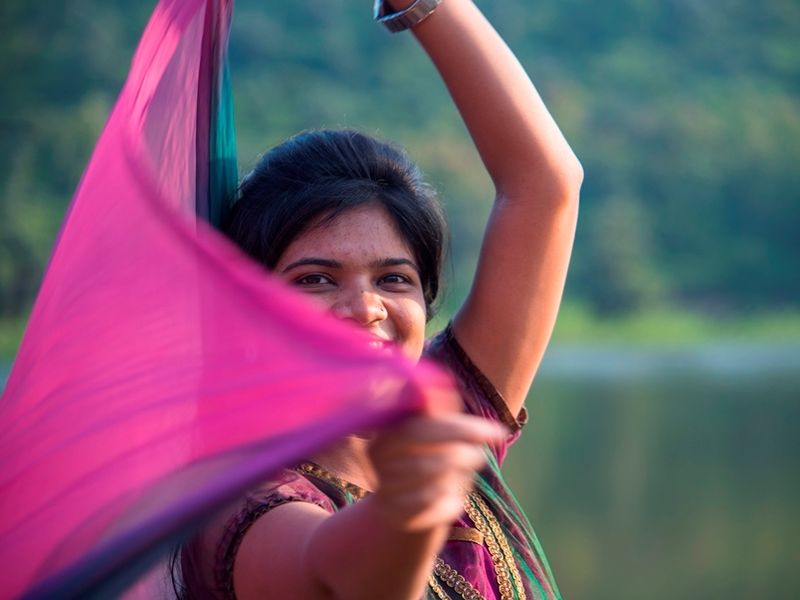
359, 268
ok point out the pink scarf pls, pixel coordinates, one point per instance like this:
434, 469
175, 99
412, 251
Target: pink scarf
163, 373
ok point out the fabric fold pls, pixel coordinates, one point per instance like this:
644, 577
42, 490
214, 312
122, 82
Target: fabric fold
162, 373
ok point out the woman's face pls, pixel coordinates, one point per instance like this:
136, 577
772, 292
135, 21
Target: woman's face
359, 268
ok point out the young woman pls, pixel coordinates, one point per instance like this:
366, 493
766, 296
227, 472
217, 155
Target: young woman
421, 508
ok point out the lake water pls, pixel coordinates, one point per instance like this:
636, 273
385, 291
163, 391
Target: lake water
665, 473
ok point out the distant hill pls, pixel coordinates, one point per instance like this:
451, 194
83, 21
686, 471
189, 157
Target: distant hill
686, 116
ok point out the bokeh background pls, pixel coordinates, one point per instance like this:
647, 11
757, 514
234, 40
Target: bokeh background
663, 454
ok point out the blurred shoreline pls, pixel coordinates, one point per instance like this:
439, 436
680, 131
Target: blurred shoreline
650, 343
578, 327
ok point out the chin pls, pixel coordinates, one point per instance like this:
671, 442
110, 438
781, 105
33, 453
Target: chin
366, 436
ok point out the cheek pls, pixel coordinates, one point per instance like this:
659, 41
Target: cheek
325, 303
410, 321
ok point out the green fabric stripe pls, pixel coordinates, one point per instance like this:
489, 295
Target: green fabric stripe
222, 169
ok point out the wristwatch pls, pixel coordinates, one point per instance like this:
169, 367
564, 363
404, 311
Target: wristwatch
407, 18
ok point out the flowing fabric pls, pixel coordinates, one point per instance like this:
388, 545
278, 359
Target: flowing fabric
162, 373
474, 562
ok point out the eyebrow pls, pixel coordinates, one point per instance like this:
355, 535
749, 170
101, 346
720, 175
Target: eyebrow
333, 264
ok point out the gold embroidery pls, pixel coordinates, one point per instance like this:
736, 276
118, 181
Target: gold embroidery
505, 568
503, 541
316, 471
437, 589
455, 580
465, 534
487, 532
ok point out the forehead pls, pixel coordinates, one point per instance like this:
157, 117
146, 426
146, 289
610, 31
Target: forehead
361, 234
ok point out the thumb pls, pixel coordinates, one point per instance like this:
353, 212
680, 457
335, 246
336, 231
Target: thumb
441, 400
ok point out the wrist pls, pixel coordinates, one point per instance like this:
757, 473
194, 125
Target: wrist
397, 5
399, 15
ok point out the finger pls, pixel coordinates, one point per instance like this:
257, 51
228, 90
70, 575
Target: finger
439, 396
448, 428
437, 503
403, 477
443, 512
441, 401
458, 457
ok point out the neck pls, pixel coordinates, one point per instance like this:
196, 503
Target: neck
349, 460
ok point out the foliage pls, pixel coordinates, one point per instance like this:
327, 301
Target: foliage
684, 114
686, 117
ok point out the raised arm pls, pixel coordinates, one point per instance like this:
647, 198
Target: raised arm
508, 317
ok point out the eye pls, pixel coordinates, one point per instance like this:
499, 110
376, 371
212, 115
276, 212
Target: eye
313, 280
396, 280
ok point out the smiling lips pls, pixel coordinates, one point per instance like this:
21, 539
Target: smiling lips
380, 344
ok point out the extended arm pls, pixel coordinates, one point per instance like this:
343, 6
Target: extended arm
383, 546
508, 317
299, 551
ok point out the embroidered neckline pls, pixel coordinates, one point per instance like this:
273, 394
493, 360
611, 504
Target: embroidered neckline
313, 469
488, 533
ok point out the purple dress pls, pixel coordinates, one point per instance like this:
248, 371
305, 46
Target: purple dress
466, 551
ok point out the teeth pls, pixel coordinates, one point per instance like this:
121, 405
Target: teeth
379, 345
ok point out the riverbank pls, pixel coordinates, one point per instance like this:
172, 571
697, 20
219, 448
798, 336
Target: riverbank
576, 325
673, 327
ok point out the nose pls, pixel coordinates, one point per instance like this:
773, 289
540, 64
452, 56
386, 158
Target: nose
361, 306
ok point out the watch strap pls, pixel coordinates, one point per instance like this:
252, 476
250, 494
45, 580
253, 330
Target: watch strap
406, 18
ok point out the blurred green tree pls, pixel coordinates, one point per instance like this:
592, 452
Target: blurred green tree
686, 116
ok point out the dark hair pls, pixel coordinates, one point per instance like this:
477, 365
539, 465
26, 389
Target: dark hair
318, 175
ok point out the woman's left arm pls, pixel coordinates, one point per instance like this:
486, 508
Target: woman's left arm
508, 317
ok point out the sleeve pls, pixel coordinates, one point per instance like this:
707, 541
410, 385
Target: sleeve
225, 538
480, 396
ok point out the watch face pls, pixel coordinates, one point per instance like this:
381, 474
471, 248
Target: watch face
378, 9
